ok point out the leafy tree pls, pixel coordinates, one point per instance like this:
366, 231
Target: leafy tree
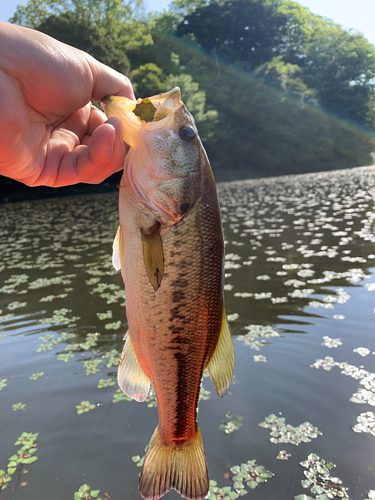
121, 22
81, 33
243, 30
148, 80
341, 67
283, 76
195, 101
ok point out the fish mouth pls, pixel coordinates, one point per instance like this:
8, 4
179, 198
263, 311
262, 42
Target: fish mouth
142, 115
164, 103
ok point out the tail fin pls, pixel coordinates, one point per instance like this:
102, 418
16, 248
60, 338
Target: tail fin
183, 469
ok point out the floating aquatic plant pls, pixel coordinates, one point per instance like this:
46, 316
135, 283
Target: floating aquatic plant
285, 433
365, 423
90, 342
106, 315
259, 358
3, 383
5, 317
328, 342
151, 398
85, 493
24, 456
231, 423
279, 300
327, 363
48, 338
232, 317
35, 376
44, 347
319, 481
256, 336
50, 298
105, 382
316, 304
120, 396
113, 326
113, 357
91, 366
64, 336
204, 394
225, 493
65, 356
283, 455
85, 406
363, 351
366, 393
19, 406
59, 317
16, 305
138, 460
57, 280
249, 475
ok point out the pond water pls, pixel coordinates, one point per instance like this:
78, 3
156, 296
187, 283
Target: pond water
300, 296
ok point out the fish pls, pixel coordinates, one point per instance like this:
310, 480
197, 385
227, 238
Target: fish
170, 249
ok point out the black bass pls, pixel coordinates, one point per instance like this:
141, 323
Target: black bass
170, 249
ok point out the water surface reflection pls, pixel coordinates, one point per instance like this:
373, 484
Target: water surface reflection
300, 261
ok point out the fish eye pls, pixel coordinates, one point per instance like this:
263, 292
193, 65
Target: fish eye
187, 133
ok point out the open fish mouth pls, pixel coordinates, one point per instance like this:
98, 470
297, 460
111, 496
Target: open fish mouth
140, 114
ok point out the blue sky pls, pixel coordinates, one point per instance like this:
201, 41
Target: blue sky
356, 14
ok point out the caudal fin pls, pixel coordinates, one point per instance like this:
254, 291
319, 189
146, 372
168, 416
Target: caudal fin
183, 469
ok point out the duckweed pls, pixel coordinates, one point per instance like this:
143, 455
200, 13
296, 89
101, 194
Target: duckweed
285, 433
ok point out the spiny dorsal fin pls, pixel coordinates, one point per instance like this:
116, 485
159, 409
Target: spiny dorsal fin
130, 376
221, 366
181, 467
153, 254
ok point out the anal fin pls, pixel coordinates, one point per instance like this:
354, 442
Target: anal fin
130, 376
221, 365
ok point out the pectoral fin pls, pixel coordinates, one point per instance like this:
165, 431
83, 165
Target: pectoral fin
221, 366
117, 249
153, 254
130, 376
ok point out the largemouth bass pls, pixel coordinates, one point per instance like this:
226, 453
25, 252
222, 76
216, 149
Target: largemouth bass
170, 249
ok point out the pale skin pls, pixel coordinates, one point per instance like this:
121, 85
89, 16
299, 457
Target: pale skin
50, 134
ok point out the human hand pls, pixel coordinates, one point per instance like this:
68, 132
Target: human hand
50, 134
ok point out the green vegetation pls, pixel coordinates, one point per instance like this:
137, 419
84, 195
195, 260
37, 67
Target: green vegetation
85, 406
17, 462
286, 433
231, 423
19, 406
84, 492
319, 480
274, 89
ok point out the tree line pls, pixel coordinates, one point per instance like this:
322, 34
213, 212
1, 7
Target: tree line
274, 89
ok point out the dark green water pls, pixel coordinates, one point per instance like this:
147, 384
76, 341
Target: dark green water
300, 267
